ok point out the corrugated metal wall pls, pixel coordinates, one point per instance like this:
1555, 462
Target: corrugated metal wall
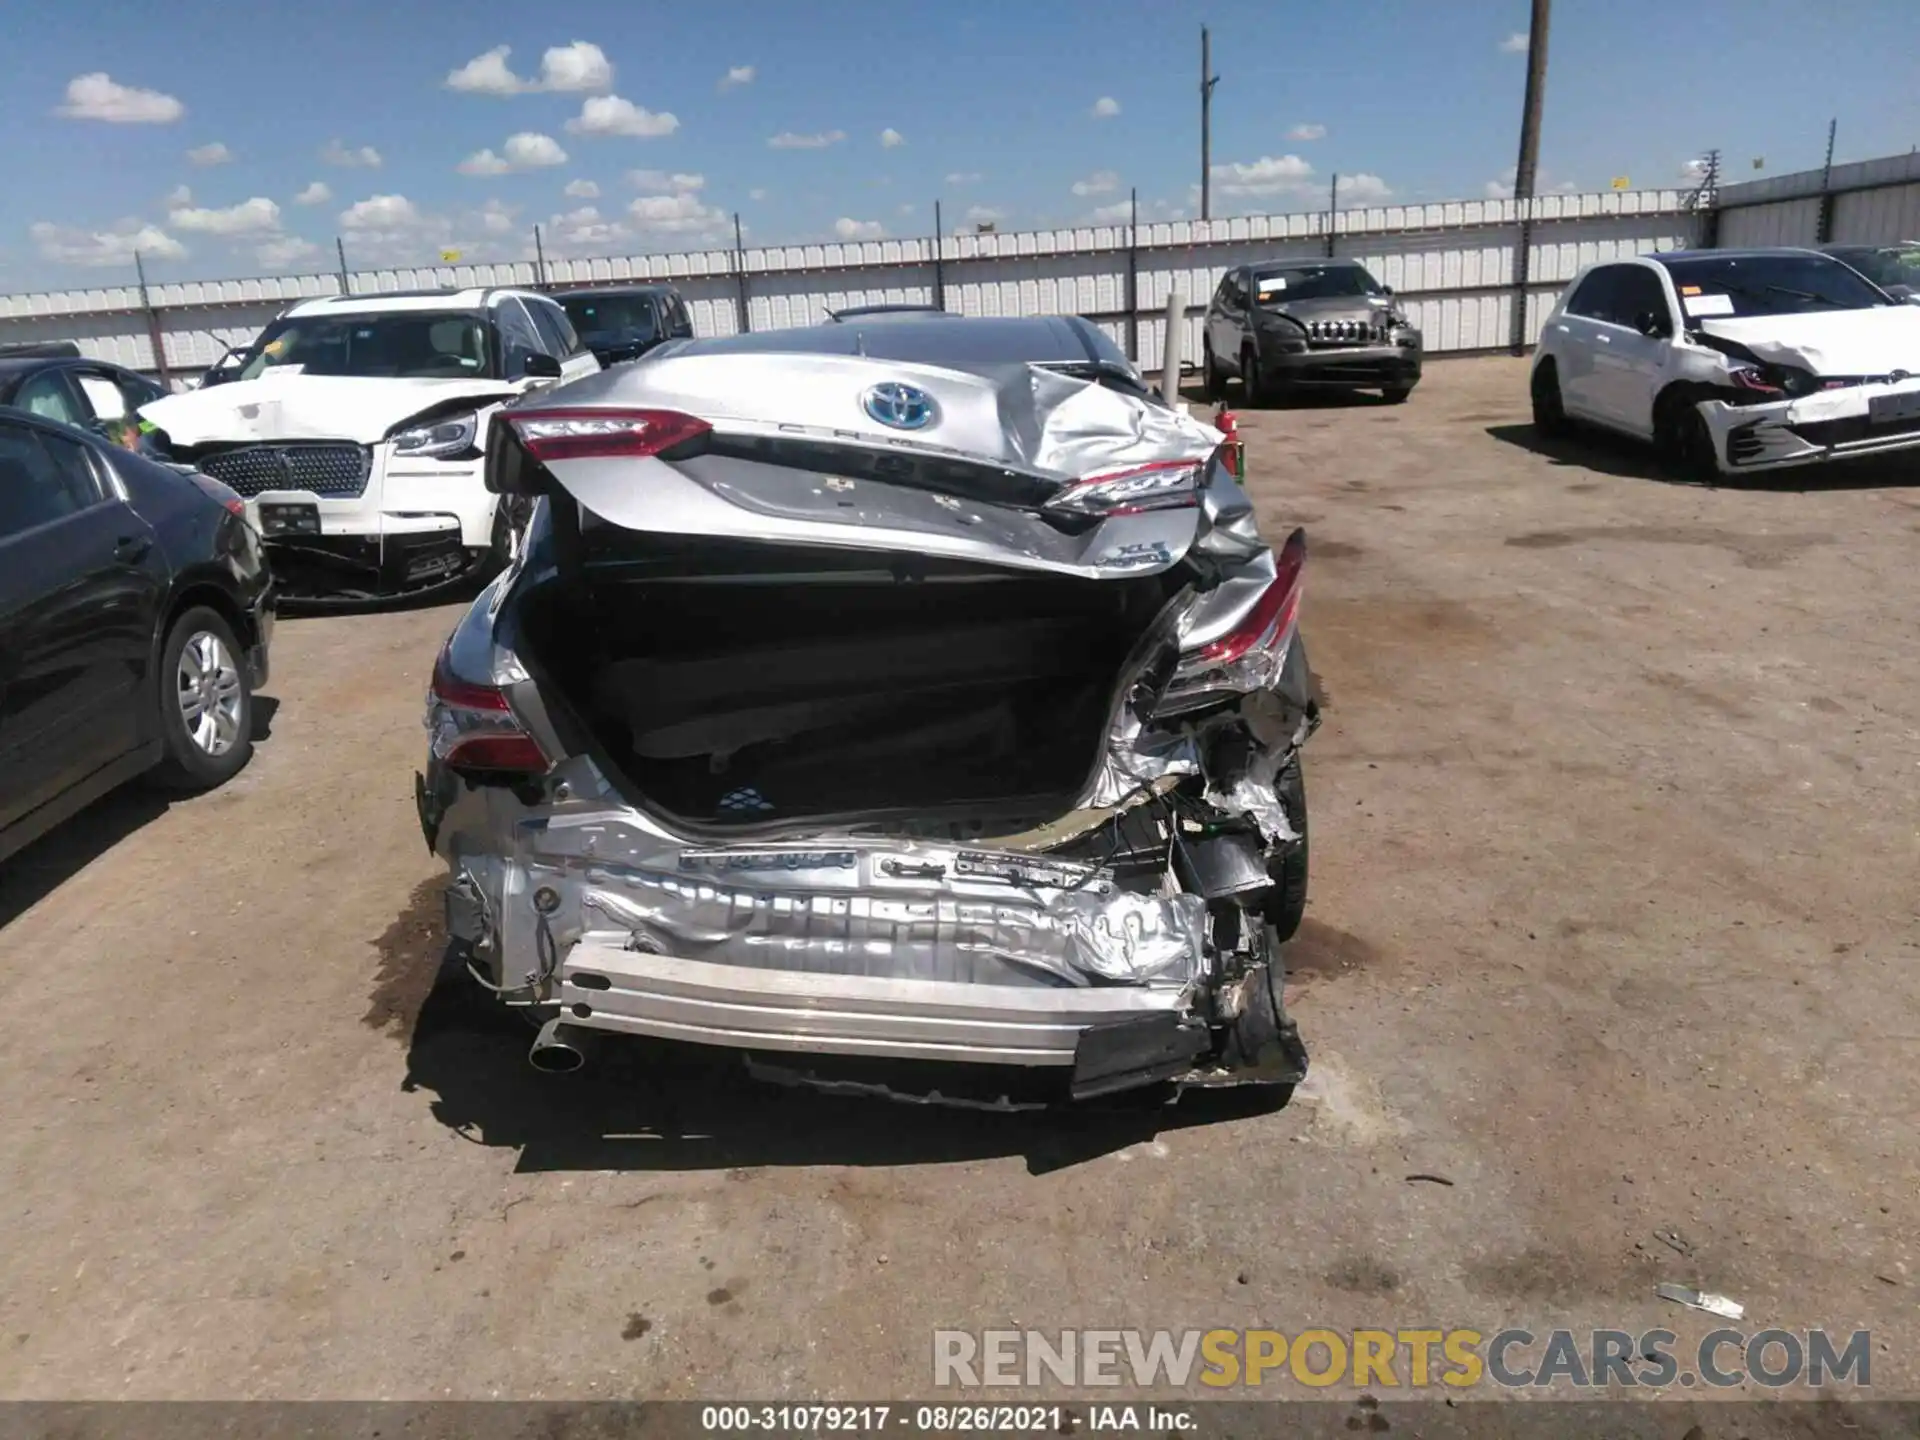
1453, 263
1875, 202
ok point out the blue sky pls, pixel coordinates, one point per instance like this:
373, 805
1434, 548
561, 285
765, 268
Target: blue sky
224, 139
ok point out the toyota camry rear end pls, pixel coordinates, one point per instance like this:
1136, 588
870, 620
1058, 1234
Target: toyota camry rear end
918, 715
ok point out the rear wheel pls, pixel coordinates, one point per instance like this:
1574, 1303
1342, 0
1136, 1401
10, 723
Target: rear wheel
1549, 413
206, 703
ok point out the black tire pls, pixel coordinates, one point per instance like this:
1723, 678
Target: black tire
1213, 383
1396, 394
220, 742
1287, 904
1549, 412
1259, 392
1684, 442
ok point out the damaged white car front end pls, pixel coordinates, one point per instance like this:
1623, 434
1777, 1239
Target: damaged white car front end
1811, 388
955, 762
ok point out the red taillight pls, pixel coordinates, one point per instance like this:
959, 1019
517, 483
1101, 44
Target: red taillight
1746, 377
228, 498
1271, 616
474, 727
580, 434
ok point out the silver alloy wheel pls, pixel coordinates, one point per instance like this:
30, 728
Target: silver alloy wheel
209, 693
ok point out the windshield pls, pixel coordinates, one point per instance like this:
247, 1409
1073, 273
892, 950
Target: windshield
1743, 285
1891, 266
423, 346
1313, 282
614, 319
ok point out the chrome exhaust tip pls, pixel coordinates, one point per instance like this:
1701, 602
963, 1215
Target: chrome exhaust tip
559, 1048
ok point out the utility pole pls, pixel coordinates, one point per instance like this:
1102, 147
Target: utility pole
742, 319
1207, 81
539, 258
340, 249
1333, 210
939, 269
154, 335
1527, 170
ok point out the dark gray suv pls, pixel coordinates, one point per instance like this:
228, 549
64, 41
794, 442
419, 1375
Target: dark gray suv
1291, 325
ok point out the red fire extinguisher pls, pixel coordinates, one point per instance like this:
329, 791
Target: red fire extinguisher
1228, 424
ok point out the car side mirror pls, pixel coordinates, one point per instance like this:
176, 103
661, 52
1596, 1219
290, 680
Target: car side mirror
538, 366
1387, 290
1652, 325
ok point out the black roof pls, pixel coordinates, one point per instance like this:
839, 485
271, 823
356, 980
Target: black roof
594, 292
1307, 262
1754, 252
939, 339
40, 350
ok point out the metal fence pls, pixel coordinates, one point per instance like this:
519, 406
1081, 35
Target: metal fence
1452, 263
1868, 202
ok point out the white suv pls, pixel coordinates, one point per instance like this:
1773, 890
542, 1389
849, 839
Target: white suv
1733, 360
355, 429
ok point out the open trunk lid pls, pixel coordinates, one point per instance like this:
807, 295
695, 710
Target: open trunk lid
1014, 465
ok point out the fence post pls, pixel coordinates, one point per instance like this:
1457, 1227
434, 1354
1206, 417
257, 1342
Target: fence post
1333, 209
154, 336
1823, 232
741, 319
1133, 280
340, 249
1522, 275
939, 269
539, 259
1171, 347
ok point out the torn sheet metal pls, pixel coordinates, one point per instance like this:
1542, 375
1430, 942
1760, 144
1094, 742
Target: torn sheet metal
1251, 792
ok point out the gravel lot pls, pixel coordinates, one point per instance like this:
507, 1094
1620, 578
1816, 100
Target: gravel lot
1613, 927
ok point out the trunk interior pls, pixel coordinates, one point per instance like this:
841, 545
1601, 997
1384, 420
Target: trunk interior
736, 686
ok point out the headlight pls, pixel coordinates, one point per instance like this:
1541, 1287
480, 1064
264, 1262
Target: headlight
448, 436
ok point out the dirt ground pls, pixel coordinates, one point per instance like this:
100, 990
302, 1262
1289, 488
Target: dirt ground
1613, 928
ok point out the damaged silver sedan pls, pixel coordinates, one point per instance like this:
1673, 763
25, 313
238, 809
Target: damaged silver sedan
913, 707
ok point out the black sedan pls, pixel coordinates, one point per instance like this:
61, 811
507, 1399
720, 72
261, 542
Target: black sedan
135, 612
623, 322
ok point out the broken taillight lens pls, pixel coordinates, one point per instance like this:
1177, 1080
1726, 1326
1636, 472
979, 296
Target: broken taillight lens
1250, 655
225, 496
1162, 485
580, 434
474, 727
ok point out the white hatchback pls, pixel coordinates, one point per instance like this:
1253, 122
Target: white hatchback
1733, 360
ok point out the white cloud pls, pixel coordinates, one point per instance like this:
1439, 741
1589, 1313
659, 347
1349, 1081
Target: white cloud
582, 190
1363, 189
1514, 44
1502, 189
581, 67
285, 251
584, 231
1117, 213
1101, 182
214, 154
496, 217
964, 177
736, 77
985, 215
1498, 189
487, 75
258, 216
530, 150
483, 162
380, 212
787, 140
891, 137
1269, 175
1105, 108
659, 181
178, 196
908, 208
1306, 130
315, 194
611, 115
117, 245
348, 158
756, 194
848, 229
1693, 170
97, 96
682, 215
